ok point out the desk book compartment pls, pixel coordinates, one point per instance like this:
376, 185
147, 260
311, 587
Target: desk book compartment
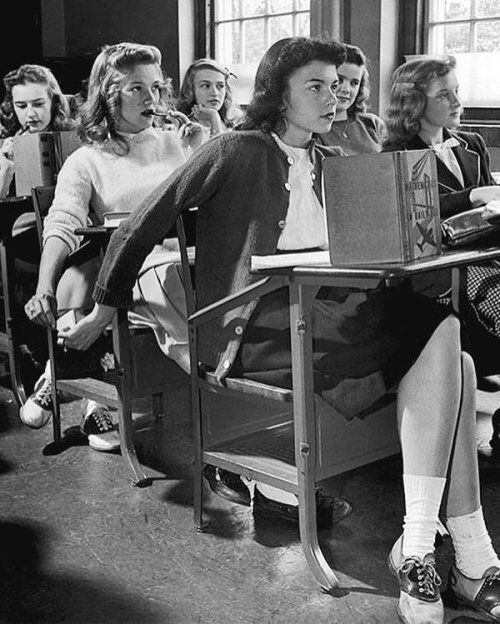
382, 207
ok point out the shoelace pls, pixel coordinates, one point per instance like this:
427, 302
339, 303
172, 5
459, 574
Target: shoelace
103, 420
427, 577
44, 394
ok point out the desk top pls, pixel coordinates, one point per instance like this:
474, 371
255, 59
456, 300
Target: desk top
393, 270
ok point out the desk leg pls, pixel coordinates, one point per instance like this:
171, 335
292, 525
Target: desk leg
121, 346
301, 300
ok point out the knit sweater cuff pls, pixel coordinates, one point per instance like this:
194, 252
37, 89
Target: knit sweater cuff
118, 299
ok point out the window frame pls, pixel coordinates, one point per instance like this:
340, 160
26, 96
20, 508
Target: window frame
421, 36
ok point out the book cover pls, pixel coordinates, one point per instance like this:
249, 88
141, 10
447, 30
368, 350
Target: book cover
113, 219
34, 163
382, 207
304, 258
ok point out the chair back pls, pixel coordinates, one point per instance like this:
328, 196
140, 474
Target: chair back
42, 196
185, 226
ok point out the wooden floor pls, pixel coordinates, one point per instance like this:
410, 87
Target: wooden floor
79, 544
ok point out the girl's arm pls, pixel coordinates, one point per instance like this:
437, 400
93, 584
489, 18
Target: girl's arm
42, 307
189, 186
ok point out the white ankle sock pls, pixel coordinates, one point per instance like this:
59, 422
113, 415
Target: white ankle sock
423, 499
474, 552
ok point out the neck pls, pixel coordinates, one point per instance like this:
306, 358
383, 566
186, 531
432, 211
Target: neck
431, 134
341, 115
295, 139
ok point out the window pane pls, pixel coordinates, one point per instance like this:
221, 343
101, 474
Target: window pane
474, 73
487, 8
303, 5
253, 7
227, 9
443, 10
254, 40
451, 39
303, 25
280, 6
228, 43
280, 27
488, 37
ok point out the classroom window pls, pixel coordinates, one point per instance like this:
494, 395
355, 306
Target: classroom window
242, 30
470, 31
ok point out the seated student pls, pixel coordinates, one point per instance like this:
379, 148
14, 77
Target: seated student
258, 191
424, 112
206, 97
354, 129
33, 103
123, 159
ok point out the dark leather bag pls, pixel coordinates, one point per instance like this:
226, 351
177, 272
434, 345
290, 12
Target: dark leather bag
469, 227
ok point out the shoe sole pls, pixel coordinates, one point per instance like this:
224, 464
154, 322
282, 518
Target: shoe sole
99, 445
320, 526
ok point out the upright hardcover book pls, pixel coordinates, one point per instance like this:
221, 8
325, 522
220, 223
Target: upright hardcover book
38, 158
382, 207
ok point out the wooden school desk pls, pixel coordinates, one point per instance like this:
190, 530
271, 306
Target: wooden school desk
312, 459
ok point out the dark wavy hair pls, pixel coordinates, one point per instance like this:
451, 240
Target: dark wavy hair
102, 109
34, 74
357, 57
408, 97
187, 100
267, 108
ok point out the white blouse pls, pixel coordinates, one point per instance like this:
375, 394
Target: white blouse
305, 224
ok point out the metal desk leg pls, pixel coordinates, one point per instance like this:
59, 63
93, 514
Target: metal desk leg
301, 300
121, 346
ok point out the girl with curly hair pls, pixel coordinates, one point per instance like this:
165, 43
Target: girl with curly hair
124, 157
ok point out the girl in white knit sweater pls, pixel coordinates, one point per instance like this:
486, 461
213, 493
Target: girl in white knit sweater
124, 157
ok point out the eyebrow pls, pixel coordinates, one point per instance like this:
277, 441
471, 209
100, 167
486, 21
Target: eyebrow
40, 99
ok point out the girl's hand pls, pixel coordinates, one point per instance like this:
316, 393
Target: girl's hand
88, 330
42, 309
6, 174
7, 148
190, 132
483, 195
208, 117
492, 210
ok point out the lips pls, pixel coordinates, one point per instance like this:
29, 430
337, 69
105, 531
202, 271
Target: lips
149, 112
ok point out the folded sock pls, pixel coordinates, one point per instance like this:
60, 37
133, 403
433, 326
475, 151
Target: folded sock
474, 552
423, 496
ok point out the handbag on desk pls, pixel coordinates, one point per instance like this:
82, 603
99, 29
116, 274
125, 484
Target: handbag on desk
469, 227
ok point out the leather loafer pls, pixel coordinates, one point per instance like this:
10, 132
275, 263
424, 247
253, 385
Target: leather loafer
227, 484
329, 509
483, 597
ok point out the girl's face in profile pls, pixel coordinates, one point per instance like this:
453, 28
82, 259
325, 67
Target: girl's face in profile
349, 82
140, 91
209, 87
32, 105
443, 106
310, 102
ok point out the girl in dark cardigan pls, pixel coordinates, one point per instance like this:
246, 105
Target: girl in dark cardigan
257, 193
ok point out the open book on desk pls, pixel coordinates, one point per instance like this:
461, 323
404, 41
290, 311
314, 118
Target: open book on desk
301, 258
113, 219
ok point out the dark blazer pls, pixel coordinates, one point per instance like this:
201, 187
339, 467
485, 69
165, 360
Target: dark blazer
474, 162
